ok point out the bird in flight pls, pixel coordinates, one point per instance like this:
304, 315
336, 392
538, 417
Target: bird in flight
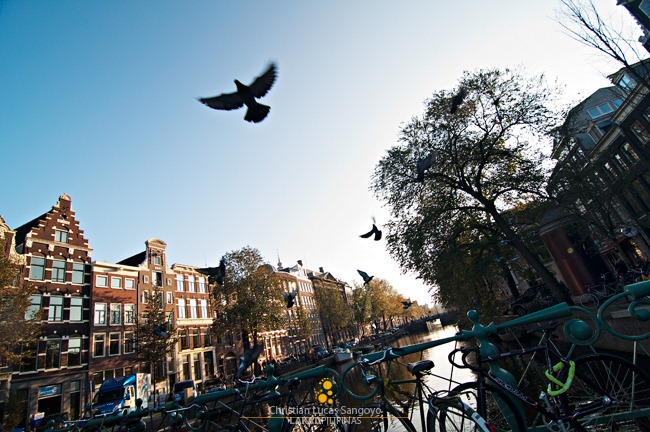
374, 231
249, 357
424, 164
246, 95
366, 278
407, 304
457, 100
290, 298
161, 331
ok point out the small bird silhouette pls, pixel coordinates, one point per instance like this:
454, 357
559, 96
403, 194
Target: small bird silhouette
366, 278
374, 231
457, 100
290, 298
215, 274
249, 357
161, 331
407, 304
246, 95
424, 164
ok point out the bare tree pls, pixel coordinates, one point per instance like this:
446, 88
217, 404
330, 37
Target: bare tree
583, 22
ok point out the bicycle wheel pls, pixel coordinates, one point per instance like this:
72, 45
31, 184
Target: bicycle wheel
589, 301
600, 378
499, 410
381, 417
361, 382
450, 416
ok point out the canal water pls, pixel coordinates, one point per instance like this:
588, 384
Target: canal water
444, 376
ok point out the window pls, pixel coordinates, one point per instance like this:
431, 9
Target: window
186, 367
190, 283
197, 368
600, 110
129, 284
185, 342
207, 338
640, 131
157, 260
99, 344
627, 83
101, 281
53, 354
116, 314
145, 297
74, 351
129, 314
55, 311
170, 300
204, 309
58, 271
34, 308
61, 236
100, 314
37, 268
193, 308
78, 273
116, 282
181, 308
196, 338
156, 279
113, 344
179, 283
129, 343
76, 309
28, 356
201, 284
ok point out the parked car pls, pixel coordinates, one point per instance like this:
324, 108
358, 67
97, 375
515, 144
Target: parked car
51, 421
533, 299
184, 391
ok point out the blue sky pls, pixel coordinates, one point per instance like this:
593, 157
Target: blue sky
98, 100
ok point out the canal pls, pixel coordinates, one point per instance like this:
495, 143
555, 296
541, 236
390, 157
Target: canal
439, 380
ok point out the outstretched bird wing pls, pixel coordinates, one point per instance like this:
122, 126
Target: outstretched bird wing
250, 356
374, 231
226, 101
366, 278
264, 82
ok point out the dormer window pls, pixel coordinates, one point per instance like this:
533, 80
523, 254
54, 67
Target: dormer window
627, 83
600, 110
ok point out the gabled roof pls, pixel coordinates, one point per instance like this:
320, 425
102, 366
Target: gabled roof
135, 260
22, 230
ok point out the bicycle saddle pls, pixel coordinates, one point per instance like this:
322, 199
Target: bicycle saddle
421, 366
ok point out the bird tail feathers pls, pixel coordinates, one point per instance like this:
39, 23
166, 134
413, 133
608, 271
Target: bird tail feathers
257, 113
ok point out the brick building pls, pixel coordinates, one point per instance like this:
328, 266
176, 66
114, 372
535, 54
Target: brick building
56, 261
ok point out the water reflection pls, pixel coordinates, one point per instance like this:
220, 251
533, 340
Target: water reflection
443, 375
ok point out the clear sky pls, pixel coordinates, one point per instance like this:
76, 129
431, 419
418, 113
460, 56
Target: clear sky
98, 100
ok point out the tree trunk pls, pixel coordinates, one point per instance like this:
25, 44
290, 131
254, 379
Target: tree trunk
559, 292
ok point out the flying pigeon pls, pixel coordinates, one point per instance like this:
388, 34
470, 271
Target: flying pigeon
215, 274
249, 357
161, 331
366, 278
246, 95
424, 164
290, 298
407, 304
374, 231
457, 100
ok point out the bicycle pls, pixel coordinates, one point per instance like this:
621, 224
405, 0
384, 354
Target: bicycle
591, 392
446, 412
596, 294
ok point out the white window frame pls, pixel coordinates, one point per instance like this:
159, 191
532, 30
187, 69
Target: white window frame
101, 281
119, 344
182, 310
99, 306
115, 307
103, 337
116, 282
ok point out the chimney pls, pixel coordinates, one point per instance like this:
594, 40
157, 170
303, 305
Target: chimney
300, 263
321, 269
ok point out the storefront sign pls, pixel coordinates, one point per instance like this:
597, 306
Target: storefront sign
49, 391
